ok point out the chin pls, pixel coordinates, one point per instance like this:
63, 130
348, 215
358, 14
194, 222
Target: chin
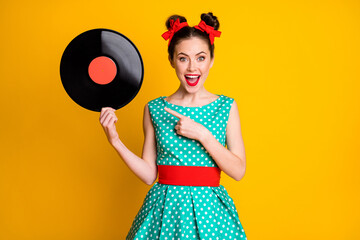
192, 89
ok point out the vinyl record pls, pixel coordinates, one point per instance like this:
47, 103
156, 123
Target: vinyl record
101, 68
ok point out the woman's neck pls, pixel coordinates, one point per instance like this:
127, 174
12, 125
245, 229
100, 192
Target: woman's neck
183, 97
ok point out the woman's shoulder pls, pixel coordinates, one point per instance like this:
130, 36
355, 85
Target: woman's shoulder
227, 99
155, 102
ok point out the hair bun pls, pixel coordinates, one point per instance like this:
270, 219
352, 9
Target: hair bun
210, 20
174, 17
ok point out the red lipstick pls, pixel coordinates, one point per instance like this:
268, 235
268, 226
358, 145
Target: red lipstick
192, 79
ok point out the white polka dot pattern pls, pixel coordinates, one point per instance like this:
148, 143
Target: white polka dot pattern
174, 149
187, 212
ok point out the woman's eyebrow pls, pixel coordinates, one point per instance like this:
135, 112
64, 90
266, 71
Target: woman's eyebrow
201, 52
182, 54
195, 54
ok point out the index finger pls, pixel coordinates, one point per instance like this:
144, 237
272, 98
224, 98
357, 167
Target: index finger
174, 113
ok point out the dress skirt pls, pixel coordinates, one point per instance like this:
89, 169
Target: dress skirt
187, 212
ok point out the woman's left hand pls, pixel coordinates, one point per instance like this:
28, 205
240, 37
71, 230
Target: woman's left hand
188, 127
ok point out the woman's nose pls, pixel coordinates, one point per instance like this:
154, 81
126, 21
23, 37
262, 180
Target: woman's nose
191, 65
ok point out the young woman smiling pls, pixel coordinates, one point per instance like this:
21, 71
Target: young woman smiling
190, 137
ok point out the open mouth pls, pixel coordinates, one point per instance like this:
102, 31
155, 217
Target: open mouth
192, 80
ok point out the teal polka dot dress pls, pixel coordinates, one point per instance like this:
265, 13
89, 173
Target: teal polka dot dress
187, 212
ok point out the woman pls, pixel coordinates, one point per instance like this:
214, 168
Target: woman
185, 138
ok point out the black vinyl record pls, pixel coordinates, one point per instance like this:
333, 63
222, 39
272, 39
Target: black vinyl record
101, 68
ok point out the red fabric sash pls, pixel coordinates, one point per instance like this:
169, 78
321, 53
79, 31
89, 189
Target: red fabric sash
189, 175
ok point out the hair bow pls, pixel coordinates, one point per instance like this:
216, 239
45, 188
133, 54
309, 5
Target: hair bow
174, 27
202, 26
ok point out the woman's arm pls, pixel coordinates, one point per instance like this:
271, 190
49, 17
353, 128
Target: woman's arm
231, 160
145, 167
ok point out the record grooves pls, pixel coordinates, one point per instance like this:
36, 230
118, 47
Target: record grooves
101, 68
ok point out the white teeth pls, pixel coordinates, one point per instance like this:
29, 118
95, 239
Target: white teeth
192, 76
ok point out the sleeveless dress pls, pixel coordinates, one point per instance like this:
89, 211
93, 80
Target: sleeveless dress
187, 212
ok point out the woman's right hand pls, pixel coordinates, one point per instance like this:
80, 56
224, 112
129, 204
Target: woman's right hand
108, 120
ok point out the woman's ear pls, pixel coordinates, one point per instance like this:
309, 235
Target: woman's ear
171, 61
212, 61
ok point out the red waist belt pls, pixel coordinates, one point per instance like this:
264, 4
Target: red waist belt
189, 175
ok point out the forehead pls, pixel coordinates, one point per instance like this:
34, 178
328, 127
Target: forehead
192, 45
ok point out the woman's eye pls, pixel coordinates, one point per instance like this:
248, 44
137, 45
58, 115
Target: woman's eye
182, 59
201, 58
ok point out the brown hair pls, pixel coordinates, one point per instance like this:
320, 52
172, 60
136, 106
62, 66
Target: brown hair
188, 32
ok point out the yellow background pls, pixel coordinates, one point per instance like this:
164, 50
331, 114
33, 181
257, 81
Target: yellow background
292, 67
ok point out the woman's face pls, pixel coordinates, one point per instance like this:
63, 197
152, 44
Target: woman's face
192, 63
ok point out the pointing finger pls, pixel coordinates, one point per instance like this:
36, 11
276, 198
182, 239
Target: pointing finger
174, 113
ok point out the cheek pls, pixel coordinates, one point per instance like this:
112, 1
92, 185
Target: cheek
180, 69
180, 74
205, 69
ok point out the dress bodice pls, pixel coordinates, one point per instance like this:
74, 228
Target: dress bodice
174, 149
